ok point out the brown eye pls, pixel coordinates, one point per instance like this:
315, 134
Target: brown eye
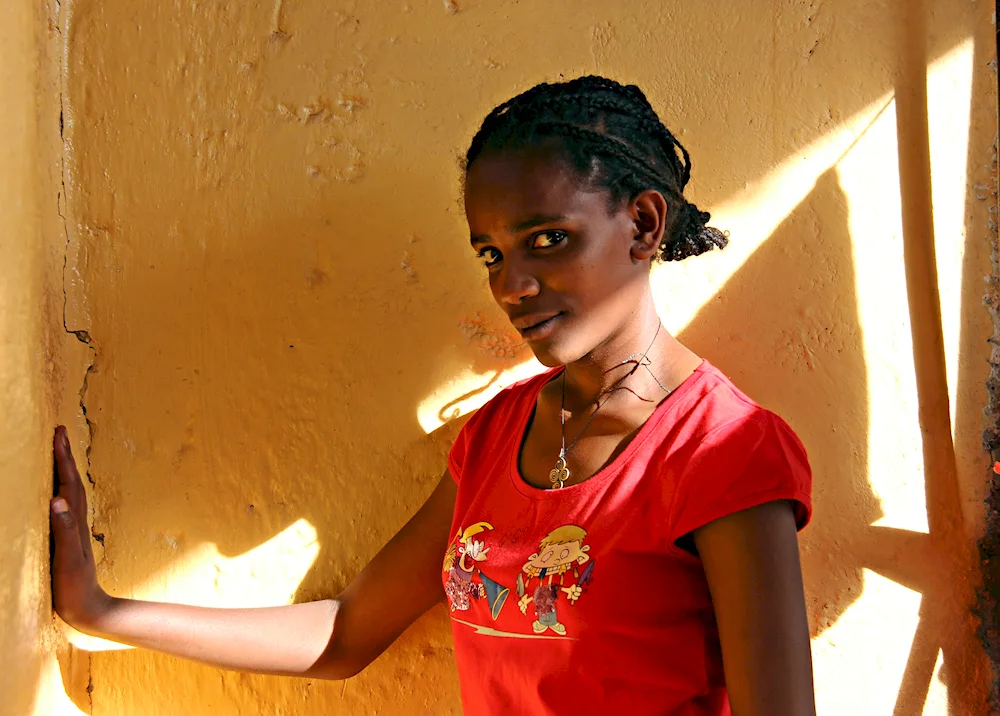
490, 256
546, 239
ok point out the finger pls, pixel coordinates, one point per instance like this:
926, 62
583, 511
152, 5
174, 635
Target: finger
66, 534
71, 485
69, 476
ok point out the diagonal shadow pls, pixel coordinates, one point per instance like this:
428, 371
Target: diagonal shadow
944, 622
771, 329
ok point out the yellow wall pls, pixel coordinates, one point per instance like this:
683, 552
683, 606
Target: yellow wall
41, 366
268, 251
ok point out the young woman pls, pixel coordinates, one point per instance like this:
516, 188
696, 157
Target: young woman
618, 534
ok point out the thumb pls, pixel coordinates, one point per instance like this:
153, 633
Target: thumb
65, 531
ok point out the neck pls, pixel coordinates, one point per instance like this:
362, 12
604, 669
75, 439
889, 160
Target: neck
591, 376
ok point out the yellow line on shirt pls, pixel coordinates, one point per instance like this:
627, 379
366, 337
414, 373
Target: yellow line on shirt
490, 631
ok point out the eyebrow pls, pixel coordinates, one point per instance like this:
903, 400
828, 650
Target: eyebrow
529, 223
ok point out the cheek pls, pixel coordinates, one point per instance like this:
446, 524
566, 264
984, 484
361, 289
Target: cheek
599, 268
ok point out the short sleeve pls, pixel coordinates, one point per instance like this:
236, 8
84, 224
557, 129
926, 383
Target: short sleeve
747, 462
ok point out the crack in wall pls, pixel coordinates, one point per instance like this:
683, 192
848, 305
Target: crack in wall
60, 24
81, 335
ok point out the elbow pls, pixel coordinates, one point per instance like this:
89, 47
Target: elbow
340, 661
344, 657
332, 668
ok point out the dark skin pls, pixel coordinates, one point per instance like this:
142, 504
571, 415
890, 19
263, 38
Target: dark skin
559, 251
567, 253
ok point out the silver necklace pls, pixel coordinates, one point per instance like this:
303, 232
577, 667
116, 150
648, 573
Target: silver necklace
560, 474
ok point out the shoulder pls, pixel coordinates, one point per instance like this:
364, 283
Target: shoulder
721, 402
739, 455
732, 420
719, 412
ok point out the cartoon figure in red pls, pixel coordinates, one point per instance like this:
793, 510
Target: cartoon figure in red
462, 564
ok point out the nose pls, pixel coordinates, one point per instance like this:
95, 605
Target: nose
514, 283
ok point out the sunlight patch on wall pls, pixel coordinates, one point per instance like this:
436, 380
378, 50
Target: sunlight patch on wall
937, 693
267, 575
885, 615
468, 391
50, 695
869, 178
751, 217
949, 106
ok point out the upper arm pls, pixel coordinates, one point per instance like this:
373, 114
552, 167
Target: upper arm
402, 582
751, 562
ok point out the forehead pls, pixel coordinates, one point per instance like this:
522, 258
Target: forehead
505, 189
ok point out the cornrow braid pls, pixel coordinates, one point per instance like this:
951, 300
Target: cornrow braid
610, 134
603, 144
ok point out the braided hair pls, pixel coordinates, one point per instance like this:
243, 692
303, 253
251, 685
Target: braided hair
610, 135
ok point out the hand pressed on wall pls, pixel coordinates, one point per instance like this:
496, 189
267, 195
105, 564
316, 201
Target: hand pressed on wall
76, 594
401, 583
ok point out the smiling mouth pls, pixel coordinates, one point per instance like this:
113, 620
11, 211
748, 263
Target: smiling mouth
542, 329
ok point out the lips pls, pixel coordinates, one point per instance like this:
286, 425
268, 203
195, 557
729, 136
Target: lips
536, 326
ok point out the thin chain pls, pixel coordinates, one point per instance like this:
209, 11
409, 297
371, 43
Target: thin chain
561, 473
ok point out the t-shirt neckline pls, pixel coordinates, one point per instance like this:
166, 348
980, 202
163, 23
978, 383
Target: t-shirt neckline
609, 470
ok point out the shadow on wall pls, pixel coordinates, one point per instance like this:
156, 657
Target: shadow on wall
762, 330
767, 329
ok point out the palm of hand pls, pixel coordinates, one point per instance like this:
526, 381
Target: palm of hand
76, 594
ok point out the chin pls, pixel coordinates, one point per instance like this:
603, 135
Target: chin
554, 353
548, 359
567, 343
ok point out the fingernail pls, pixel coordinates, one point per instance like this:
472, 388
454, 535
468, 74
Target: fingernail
65, 438
59, 506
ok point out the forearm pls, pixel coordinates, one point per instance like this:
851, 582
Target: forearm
332, 639
289, 640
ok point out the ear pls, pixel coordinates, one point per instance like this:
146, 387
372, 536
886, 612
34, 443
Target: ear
648, 211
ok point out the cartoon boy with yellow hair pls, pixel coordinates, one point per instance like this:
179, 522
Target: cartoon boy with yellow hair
558, 552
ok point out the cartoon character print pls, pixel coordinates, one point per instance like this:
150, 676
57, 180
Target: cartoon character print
462, 564
559, 552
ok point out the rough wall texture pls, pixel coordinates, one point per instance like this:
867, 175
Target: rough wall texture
39, 364
988, 606
267, 256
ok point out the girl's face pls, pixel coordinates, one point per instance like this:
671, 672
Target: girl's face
568, 269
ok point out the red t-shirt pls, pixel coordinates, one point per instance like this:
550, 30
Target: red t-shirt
579, 601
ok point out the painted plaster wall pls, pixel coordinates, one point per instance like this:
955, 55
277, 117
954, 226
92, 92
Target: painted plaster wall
39, 365
268, 255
